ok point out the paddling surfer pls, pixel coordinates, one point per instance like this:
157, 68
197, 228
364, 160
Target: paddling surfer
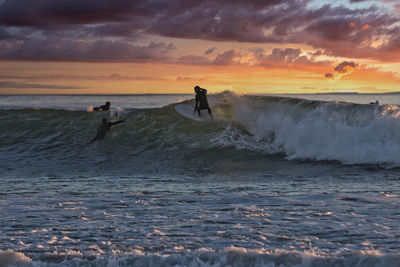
104, 107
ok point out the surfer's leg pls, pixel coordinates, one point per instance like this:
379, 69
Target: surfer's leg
94, 139
97, 137
198, 112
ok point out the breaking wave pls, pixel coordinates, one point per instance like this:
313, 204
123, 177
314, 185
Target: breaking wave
295, 129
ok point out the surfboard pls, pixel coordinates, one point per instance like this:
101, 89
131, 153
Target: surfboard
188, 112
117, 113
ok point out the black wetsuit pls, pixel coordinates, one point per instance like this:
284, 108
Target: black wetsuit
103, 128
102, 108
201, 101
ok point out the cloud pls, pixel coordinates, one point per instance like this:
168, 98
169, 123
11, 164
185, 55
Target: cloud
189, 79
193, 60
101, 50
362, 32
344, 68
285, 57
277, 57
46, 12
222, 20
210, 51
19, 85
226, 58
62, 77
116, 76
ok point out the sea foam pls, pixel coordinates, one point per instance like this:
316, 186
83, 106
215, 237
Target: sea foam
317, 130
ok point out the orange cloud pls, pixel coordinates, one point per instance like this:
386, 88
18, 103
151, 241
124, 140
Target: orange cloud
366, 27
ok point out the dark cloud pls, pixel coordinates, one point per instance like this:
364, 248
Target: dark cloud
222, 59
223, 20
61, 77
193, 60
65, 50
49, 12
210, 51
277, 57
329, 76
226, 58
5, 34
344, 68
338, 31
284, 55
317, 53
19, 85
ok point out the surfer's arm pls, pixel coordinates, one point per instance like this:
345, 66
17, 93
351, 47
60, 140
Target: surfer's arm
116, 122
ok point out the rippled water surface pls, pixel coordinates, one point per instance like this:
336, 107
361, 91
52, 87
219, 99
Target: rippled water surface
272, 181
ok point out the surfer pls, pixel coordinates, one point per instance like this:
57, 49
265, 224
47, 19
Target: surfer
103, 128
104, 107
374, 103
201, 100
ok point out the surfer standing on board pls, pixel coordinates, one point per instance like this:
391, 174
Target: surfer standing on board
103, 128
201, 100
104, 107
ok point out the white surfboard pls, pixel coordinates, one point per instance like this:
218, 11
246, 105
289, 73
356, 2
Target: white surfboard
188, 112
117, 113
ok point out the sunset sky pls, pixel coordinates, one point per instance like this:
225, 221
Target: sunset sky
169, 46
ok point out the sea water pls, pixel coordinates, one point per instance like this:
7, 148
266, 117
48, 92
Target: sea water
299, 180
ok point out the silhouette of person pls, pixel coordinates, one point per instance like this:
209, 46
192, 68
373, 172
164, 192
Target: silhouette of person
104, 107
103, 128
201, 100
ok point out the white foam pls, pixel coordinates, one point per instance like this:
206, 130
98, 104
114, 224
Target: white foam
349, 133
230, 256
8, 258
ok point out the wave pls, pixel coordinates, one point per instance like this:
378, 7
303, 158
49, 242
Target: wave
232, 256
296, 129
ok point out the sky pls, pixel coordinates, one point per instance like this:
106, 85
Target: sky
170, 46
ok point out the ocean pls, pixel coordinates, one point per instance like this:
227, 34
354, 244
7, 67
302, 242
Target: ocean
289, 180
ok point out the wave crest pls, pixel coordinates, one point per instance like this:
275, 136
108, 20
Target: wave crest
296, 128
